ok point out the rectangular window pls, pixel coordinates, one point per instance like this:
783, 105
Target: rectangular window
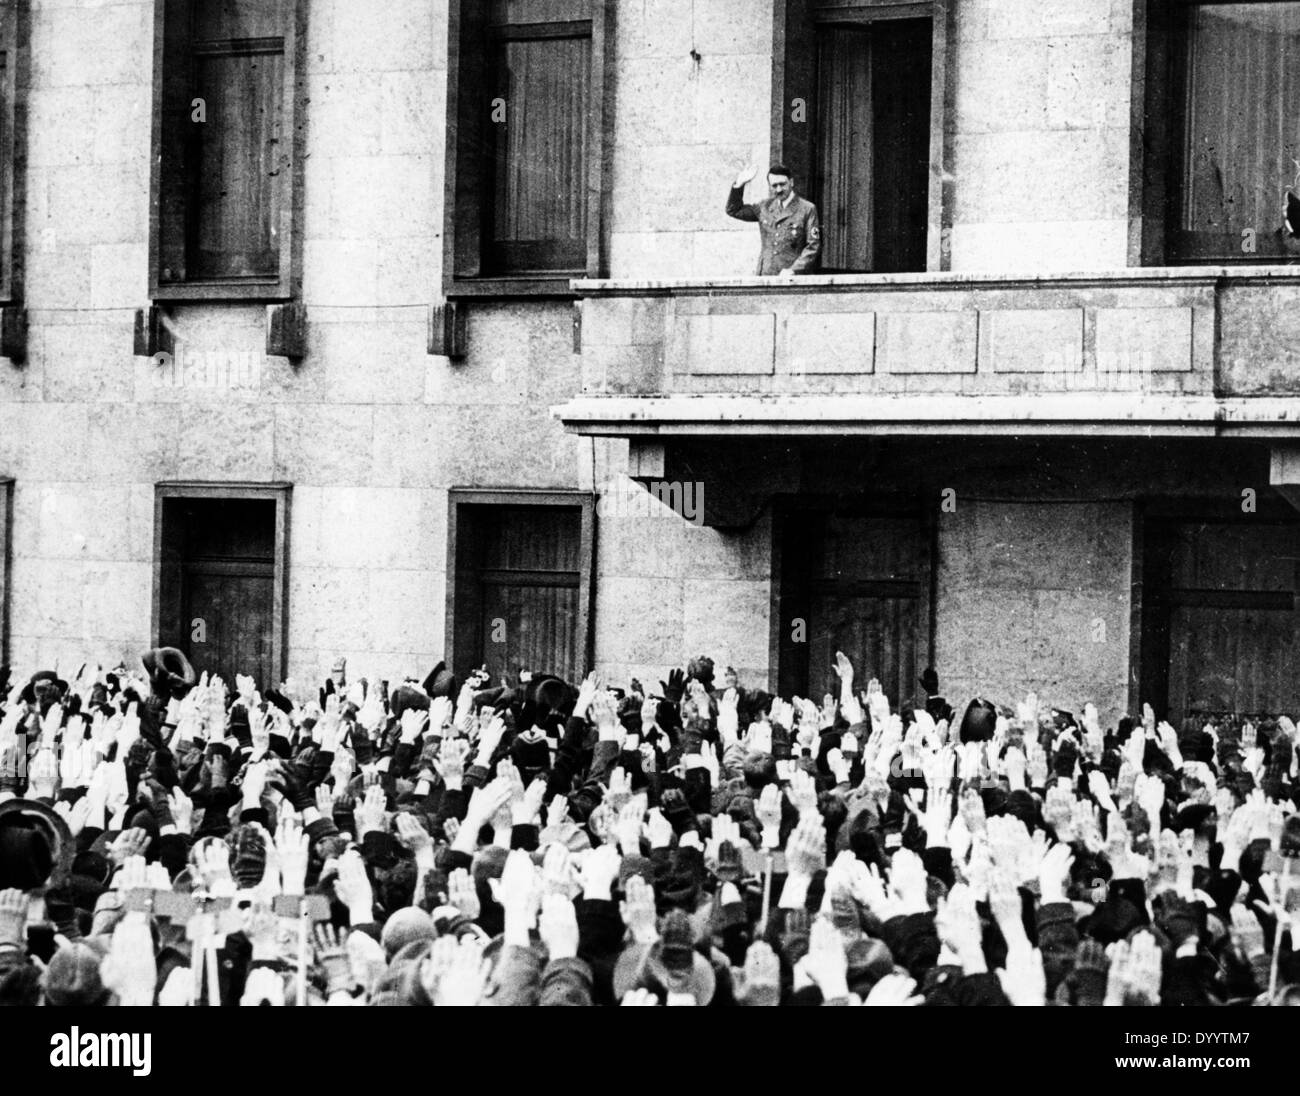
1224, 85
522, 591
525, 139
870, 79
224, 109
219, 577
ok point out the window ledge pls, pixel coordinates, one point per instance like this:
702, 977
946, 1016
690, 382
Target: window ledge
248, 292
939, 280
555, 287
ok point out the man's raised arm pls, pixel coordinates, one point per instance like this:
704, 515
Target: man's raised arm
736, 206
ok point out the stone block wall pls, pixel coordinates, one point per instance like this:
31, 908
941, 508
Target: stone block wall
1036, 595
1040, 135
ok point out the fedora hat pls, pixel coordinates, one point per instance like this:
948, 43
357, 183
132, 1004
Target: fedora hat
670, 964
36, 846
170, 671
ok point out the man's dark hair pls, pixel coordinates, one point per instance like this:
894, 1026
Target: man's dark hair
780, 169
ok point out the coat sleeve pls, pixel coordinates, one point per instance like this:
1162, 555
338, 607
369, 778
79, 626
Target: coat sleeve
810, 257
737, 208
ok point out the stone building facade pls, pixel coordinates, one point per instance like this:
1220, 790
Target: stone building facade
1037, 427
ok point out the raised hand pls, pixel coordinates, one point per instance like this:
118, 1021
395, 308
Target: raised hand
465, 977
959, 927
371, 812
619, 791
527, 810
603, 712
658, 830
129, 843
806, 851
450, 765
558, 927
412, 724
489, 739
729, 718
768, 809
639, 998
559, 872
938, 814
78, 761
893, 990
1247, 933
130, 969
354, 890
839, 765
441, 712
1054, 873
802, 794
1134, 976
557, 812
463, 894
758, 738
638, 911
599, 870
907, 881
519, 890
627, 827
1093, 736
330, 949
43, 775
13, 917
592, 685
1023, 980
826, 963
759, 981
178, 990
212, 862
1058, 810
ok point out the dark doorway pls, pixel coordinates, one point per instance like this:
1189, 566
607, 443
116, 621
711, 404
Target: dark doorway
1219, 617
873, 144
859, 581
520, 587
219, 561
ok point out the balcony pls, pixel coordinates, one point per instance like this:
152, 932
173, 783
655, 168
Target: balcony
1204, 351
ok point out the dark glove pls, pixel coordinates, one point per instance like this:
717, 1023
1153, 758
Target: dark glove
295, 787
730, 868
674, 686
159, 805
794, 935
1086, 984
673, 804
1177, 917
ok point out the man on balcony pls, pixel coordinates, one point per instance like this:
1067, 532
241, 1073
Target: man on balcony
789, 228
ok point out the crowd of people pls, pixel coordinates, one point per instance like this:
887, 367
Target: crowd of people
168, 839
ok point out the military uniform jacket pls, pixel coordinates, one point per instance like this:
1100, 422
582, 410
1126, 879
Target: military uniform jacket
791, 236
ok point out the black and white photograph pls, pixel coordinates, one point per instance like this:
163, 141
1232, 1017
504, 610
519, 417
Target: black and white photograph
716, 503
